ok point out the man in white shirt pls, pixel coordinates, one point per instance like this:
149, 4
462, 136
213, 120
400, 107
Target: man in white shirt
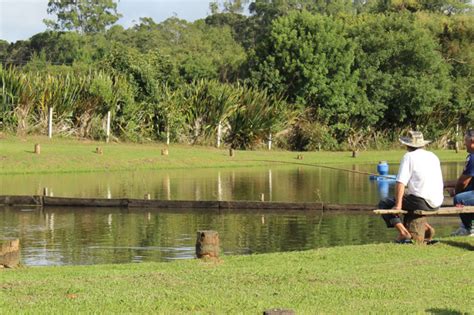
420, 173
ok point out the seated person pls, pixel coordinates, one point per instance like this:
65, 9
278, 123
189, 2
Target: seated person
420, 171
464, 188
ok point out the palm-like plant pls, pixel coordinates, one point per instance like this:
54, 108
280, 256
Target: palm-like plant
256, 115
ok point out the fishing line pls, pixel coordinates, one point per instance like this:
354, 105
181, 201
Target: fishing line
329, 167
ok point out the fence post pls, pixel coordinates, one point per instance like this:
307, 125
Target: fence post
219, 131
50, 122
107, 132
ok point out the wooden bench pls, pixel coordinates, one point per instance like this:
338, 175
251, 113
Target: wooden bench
415, 221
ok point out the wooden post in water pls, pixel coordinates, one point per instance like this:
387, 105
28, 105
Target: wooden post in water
354, 153
9, 252
37, 148
207, 244
231, 152
45, 191
416, 225
147, 196
269, 141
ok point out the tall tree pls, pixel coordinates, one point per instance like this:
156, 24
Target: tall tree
402, 74
230, 6
308, 58
84, 16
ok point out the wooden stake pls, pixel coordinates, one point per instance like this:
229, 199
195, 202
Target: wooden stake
278, 311
207, 244
107, 131
164, 151
50, 123
416, 225
98, 150
9, 252
37, 148
231, 152
219, 132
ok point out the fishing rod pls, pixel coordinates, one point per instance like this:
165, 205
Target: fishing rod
330, 167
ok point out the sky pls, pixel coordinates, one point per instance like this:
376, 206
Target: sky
21, 19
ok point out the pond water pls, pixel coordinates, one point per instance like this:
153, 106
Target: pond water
66, 236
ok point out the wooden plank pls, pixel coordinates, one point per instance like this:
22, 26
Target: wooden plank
84, 202
176, 204
264, 205
20, 200
347, 207
446, 211
442, 211
389, 211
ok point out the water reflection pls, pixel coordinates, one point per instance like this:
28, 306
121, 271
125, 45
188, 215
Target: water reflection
302, 183
67, 236
89, 236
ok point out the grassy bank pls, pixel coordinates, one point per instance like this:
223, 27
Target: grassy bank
384, 278
67, 155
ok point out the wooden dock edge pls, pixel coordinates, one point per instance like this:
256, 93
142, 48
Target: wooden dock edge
175, 204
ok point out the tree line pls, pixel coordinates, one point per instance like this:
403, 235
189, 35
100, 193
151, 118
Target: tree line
313, 74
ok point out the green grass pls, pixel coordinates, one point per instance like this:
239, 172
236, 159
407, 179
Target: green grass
68, 155
383, 278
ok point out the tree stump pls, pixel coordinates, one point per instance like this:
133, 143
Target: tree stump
231, 152
299, 157
207, 244
37, 148
98, 150
9, 252
164, 152
416, 225
278, 311
354, 154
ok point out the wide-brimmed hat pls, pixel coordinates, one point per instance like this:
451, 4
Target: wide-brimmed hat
415, 140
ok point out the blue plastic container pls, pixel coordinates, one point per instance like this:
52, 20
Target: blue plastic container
382, 168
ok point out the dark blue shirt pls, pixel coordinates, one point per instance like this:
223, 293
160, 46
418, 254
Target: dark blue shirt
469, 170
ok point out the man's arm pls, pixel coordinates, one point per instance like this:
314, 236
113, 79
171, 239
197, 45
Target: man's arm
399, 192
462, 183
450, 183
